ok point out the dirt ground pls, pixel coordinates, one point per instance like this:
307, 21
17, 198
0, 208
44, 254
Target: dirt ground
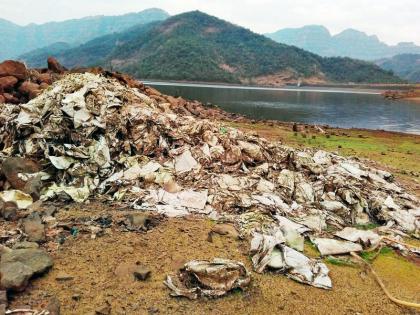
97, 266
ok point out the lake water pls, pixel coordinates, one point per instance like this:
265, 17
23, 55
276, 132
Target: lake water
340, 108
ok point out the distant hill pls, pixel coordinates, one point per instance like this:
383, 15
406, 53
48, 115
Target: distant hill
349, 43
37, 58
406, 66
17, 40
198, 47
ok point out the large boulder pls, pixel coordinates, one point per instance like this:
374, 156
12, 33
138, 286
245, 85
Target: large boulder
15, 276
7, 82
44, 78
55, 66
19, 265
13, 68
30, 89
10, 98
12, 167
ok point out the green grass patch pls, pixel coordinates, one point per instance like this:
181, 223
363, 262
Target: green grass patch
369, 256
310, 249
340, 262
366, 226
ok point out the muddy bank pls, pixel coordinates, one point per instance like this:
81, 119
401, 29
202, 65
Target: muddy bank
92, 264
410, 95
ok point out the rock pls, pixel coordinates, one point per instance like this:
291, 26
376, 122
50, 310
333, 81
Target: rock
44, 78
125, 271
7, 82
141, 273
225, 229
11, 168
103, 310
13, 68
2, 99
2, 309
30, 89
36, 259
53, 306
139, 220
33, 187
11, 98
34, 228
44, 85
3, 298
8, 210
26, 245
55, 66
62, 276
14, 275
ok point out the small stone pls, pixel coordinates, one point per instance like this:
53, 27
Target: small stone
103, 310
9, 210
153, 310
125, 271
54, 306
139, 220
142, 273
3, 298
34, 228
62, 276
225, 229
76, 297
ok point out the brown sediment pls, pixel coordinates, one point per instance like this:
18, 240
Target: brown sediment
165, 248
410, 95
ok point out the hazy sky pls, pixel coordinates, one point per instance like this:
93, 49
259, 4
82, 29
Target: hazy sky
392, 20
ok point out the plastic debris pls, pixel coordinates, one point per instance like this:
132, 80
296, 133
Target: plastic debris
269, 251
328, 246
22, 200
208, 278
97, 137
359, 236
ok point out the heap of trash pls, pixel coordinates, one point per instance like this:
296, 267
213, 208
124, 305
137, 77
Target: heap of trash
93, 137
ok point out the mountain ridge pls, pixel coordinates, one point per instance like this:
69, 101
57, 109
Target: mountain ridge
194, 46
22, 39
407, 66
348, 43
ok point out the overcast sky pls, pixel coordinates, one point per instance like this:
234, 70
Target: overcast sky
392, 20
